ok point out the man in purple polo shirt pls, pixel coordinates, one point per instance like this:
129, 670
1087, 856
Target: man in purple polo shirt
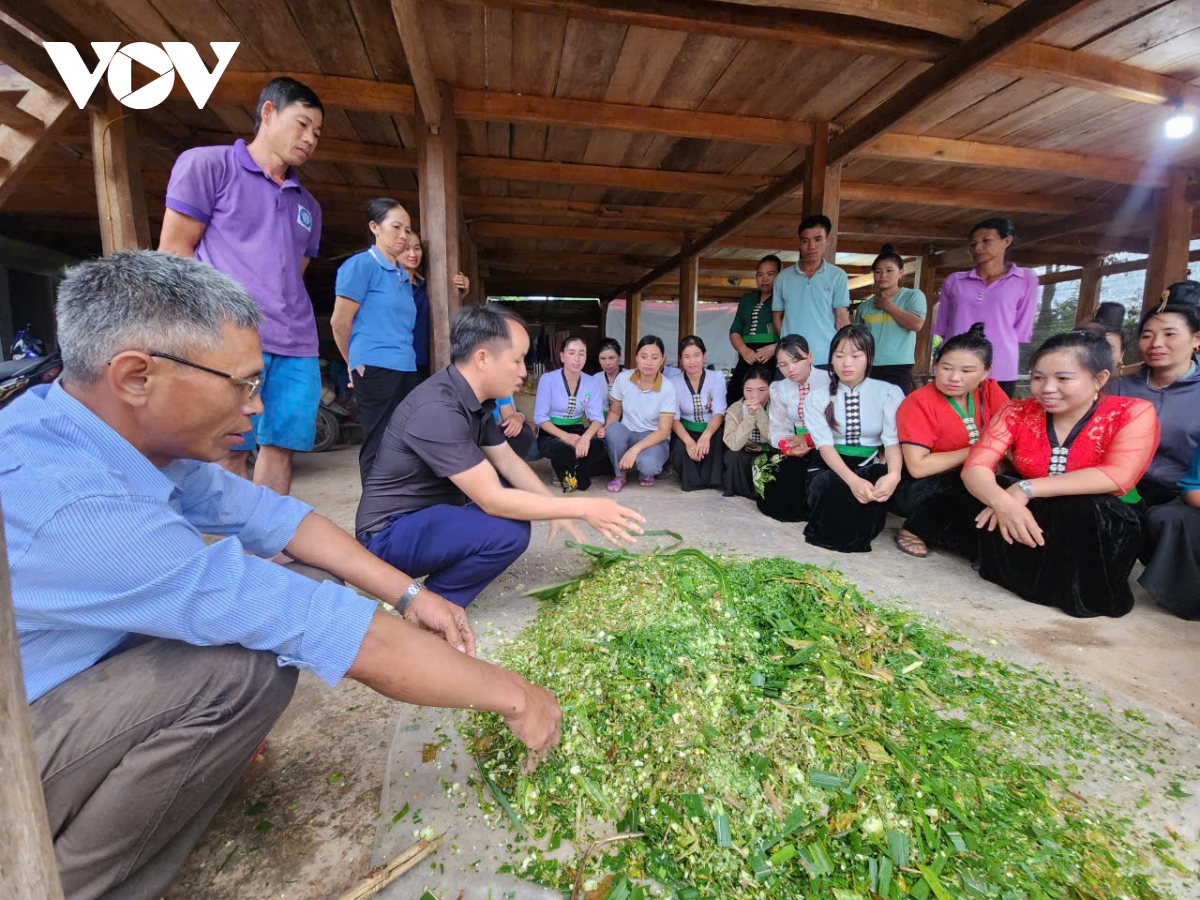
242, 210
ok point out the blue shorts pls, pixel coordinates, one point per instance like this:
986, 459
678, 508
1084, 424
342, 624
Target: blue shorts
291, 393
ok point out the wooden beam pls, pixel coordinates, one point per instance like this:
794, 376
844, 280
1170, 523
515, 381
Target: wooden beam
26, 850
1014, 28
608, 176
439, 217
822, 185
365, 94
29, 59
926, 281
14, 117
1089, 291
916, 148
873, 33
20, 151
1075, 68
494, 106
407, 14
633, 326
999, 201
118, 174
335, 150
689, 293
1168, 261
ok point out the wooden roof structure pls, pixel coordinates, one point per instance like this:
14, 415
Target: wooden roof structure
658, 147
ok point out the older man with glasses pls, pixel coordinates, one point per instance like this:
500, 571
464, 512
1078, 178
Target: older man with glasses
155, 662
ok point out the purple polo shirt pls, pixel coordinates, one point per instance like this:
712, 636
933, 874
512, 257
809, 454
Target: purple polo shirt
258, 234
1006, 307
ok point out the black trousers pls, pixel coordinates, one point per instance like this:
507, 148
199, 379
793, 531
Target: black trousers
901, 376
1172, 573
940, 511
786, 498
738, 377
836, 520
562, 456
377, 393
1092, 542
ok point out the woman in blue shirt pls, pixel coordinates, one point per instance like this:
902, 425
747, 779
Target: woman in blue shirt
373, 320
410, 260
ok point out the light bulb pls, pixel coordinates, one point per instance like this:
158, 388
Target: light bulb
1179, 126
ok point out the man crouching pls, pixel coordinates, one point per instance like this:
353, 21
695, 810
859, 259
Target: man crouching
155, 663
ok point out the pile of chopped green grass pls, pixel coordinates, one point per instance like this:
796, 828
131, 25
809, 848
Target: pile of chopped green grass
772, 734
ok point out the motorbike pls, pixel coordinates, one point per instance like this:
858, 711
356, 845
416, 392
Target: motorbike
19, 375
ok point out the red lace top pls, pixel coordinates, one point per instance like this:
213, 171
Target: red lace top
1119, 440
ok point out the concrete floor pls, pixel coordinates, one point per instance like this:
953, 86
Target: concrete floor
305, 820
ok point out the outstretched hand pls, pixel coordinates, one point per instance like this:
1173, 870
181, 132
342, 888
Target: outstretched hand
436, 614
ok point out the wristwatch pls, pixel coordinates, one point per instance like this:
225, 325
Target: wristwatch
1026, 488
410, 595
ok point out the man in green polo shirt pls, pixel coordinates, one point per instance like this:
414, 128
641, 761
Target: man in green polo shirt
752, 332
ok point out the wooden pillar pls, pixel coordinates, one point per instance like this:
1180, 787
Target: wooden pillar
1089, 291
26, 853
1168, 260
823, 185
925, 278
437, 174
689, 293
633, 326
116, 163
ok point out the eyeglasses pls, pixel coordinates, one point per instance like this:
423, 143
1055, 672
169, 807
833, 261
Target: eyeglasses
254, 384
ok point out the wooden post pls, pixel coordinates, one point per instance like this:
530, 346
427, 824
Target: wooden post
119, 193
822, 185
1089, 291
925, 279
633, 326
437, 174
26, 852
689, 294
1168, 261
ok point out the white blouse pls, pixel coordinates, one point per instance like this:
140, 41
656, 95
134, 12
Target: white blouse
866, 415
787, 406
711, 399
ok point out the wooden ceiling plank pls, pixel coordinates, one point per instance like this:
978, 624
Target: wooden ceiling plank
21, 151
919, 148
408, 23
27, 58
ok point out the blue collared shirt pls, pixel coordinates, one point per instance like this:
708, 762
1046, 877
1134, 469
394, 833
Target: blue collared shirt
104, 546
808, 305
382, 333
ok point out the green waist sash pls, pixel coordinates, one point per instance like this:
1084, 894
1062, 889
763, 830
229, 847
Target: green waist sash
694, 427
759, 338
855, 450
800, 429
1132, 497
578, 420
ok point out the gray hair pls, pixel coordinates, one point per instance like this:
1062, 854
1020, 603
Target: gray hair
144, 300
478, 326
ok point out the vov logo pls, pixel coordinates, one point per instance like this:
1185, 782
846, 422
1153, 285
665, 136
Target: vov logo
166, 61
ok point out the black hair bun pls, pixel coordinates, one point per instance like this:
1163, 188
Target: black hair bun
1184, 293
1110, 315
887, 250
977, 330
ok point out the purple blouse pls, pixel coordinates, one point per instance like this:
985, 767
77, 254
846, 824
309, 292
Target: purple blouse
1006, 307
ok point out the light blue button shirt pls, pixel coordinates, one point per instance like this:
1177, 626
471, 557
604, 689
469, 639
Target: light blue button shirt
807, 305
104, 546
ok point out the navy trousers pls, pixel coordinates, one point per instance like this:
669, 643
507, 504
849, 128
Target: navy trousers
458, 550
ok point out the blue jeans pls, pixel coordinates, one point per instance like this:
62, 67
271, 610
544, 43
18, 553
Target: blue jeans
460, 548
618, 439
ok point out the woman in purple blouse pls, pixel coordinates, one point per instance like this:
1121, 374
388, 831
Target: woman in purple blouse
1001, 295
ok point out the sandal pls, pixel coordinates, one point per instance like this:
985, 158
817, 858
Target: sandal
648, 481
616, 485
909, 543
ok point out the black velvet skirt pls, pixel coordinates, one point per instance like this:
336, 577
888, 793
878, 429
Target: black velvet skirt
837, 521
940, 511
738, 477
1091, 545
697, 476
786, 498
1172, 554
562, 457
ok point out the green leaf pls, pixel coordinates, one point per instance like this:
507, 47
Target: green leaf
783, 854
934, 883
1177, 792
897, 842
501, 799
264, 827
885, 876
721, 823
336, 777
256, 809
826, 780
400, 814
620, 889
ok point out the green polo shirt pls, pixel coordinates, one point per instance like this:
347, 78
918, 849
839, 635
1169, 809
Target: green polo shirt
753, 320
894, 346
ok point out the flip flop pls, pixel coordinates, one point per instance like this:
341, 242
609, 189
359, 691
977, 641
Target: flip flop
905, 545
616, 485
648, 481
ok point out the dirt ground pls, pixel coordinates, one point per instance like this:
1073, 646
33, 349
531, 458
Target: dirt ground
303, 821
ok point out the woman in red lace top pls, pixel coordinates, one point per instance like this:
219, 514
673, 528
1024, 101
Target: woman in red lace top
1064, 532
